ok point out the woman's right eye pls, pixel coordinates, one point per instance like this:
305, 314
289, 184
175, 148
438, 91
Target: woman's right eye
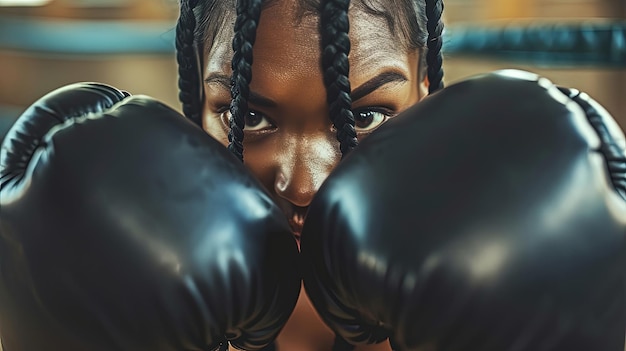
255, 121
368, 119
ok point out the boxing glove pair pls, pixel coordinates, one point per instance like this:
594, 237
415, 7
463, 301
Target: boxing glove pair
495, 222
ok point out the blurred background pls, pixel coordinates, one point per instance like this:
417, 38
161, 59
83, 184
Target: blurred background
45, 44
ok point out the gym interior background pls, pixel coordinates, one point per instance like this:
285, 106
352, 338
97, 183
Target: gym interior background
45, 44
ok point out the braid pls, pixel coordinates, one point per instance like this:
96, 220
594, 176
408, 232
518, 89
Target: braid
248, 15
334, 28
189, 75
434, 60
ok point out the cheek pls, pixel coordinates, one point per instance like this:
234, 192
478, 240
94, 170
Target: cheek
257, 156
214, 127
423, 89
260, 158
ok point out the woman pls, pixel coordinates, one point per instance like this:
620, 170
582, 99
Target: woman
282, 101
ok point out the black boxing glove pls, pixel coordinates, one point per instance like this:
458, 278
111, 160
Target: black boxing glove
126, 227
491, 216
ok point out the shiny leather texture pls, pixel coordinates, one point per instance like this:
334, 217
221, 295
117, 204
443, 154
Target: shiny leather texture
612, 142
484, 218
126, 227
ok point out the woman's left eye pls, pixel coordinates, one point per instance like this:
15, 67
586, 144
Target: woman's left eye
256, 121
368, 120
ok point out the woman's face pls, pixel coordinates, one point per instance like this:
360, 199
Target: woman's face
290, 144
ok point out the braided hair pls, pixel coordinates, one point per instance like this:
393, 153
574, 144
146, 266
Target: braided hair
197, 23
189, 76
334, 26
248, 14
434, 59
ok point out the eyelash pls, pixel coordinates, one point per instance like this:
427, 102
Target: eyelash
386, 112
226, 121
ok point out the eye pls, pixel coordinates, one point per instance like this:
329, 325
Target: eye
366, 120
255, 121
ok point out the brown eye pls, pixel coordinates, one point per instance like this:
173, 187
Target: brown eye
368, 120
255, 121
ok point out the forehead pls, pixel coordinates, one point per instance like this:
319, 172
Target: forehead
287, 39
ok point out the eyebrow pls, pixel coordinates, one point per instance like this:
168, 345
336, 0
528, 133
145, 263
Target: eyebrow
377, 82
358, 93
254, 98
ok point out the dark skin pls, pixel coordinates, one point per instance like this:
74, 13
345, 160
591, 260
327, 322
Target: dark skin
290, 144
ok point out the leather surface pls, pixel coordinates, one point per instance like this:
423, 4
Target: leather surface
126, 227
487, 217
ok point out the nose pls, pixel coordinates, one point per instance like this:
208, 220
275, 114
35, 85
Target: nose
306, 163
